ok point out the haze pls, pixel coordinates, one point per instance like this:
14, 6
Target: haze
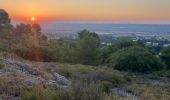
133, 11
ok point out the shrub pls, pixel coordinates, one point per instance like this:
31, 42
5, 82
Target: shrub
81, 91
91, 74
85, 91
38, 93
136, 59
165, 56
1, 65
32, 96
117, 45
114, 76
65, 71
74, 71
105, 74
106, 86
10, 86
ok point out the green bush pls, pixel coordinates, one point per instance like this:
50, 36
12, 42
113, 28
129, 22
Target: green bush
74, 71
32, 96
1, 65
136, 59
106, 86
113, 76
165, 56
117, 45
91, 73
65, 71
38, 92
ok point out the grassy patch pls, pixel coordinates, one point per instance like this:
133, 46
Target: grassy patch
112, 75
150, 92
92, 73
72, 71
106, 86
1, 65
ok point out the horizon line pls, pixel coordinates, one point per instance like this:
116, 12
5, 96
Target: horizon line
88, 22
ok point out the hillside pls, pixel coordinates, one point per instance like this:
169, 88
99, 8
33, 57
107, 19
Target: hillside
35, 67
41, 81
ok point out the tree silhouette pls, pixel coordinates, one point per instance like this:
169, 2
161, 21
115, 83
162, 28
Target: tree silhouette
4, 17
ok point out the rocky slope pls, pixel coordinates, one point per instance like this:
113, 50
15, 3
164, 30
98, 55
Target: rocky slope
32, 75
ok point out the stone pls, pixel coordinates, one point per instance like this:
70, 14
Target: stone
61, 79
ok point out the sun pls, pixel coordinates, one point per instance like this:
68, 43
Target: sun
32, 18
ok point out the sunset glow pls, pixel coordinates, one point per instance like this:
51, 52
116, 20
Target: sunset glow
32, 18
90, 10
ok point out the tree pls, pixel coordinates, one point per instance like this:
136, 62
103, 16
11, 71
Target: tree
29, 38
87, 49
7, 38
58, 51
37, 29
118, 45
4, 17
136, 59
165, 56
23, 29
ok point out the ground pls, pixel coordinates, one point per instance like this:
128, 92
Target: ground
18, 78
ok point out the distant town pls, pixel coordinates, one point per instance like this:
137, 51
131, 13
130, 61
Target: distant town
156, 41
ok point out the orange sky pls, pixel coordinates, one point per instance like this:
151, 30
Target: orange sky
85, 10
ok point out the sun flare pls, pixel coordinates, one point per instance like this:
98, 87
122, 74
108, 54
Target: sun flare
32, 18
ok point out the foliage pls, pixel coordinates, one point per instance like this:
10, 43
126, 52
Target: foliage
7, 38
4, 17
37, 92
136, 59
87, 50
66, 72
91, 73
151, 92
106, 86
117, 45
122, 44
58, 51
89, 82
110, 75
165, 56
84, 91
23, 29
1, 65
74, 71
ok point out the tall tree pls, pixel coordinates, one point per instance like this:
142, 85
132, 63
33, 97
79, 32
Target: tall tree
4, 17
88, 48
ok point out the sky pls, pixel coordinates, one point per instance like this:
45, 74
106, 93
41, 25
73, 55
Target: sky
131, 11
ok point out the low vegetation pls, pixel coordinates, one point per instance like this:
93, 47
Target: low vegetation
136, 59
1, 65
165, 56
91, 73
128, 67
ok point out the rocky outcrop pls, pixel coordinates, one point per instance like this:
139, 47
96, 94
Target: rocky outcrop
24, 68
123, 93
33, 75
59, 81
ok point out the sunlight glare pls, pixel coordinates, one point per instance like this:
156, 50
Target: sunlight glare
32, 18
